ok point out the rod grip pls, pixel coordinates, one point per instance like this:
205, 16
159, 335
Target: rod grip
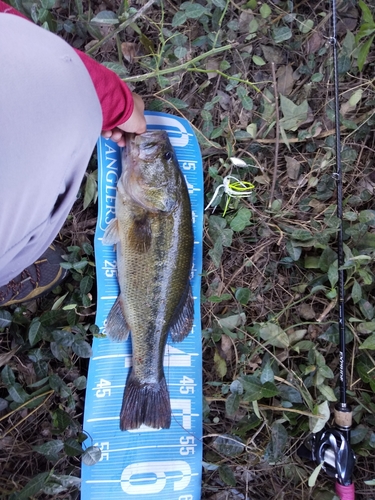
343, 419
345, 492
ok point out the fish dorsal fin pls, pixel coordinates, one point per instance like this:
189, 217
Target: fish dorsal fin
111, 234
183, 321
117, 327
140, 234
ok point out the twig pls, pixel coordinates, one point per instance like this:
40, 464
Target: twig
268, 407
229, 77
48, 394
293, 140
330, 306
174, 69
277, 136
122, 26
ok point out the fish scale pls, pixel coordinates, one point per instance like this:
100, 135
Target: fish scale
163, 464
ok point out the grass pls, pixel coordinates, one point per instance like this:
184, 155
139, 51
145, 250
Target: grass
255, 80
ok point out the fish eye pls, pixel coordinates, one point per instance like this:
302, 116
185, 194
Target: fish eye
168, 155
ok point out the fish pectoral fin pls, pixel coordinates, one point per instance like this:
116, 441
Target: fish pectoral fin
117, 327
140, 235
145, 403
183, 321
111, 234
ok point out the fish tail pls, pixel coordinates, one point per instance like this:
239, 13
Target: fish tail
147, 404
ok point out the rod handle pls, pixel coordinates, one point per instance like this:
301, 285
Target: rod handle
343, 418
345, 492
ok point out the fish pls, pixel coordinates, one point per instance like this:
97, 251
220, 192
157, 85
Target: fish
153, 234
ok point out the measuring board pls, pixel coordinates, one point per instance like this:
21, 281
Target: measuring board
145, 463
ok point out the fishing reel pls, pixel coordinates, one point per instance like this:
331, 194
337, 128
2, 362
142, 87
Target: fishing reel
331, 447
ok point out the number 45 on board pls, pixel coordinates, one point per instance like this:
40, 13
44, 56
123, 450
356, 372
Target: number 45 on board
103, 388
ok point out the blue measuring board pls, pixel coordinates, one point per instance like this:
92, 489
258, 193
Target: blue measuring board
145, 463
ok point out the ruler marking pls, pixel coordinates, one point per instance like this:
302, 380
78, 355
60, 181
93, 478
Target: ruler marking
140, 480
111, 360
156, 446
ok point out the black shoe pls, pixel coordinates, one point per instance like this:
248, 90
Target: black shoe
36, 280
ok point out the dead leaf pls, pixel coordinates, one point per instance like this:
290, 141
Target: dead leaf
283, 355
306, 311
28, 372
351, 103
348, 18
244, 21
293, 167
272, 54
285, 80
212, 64
7, 356
296, 335
91, 44
317, 205
220, 364
345, 108
314, 331
314, 43
367, 183
225, 100
226, 347
262, 179
315, 129
128, 50
254, 363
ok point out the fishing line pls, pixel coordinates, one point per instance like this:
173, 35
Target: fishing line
237, 189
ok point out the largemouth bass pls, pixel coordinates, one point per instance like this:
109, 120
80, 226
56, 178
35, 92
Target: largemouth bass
154, 243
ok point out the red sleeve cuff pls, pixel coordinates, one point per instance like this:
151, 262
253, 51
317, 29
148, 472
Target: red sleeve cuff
114, 95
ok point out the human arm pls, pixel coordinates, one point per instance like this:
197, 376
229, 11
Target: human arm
121, 109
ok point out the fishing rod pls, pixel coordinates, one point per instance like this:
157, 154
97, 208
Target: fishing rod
331, 447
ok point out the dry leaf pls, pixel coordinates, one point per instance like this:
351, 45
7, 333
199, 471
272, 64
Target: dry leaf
314, 43
128, 51
348, 18
7, 356
293, 167
317, 205
226, 347
91, 44
212, 64
314, 331
285, 80
367, 183
306, 312
272, 54
220, 364
254, 363
245, 18
262, 179
225, 100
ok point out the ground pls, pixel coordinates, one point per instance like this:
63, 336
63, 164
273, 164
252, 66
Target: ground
256, 81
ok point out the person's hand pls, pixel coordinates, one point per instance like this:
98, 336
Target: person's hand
136, 124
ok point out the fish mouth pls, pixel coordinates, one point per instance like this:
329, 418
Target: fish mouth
145, 146
142, 150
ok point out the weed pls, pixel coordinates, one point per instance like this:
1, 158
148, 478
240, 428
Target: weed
255, 80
